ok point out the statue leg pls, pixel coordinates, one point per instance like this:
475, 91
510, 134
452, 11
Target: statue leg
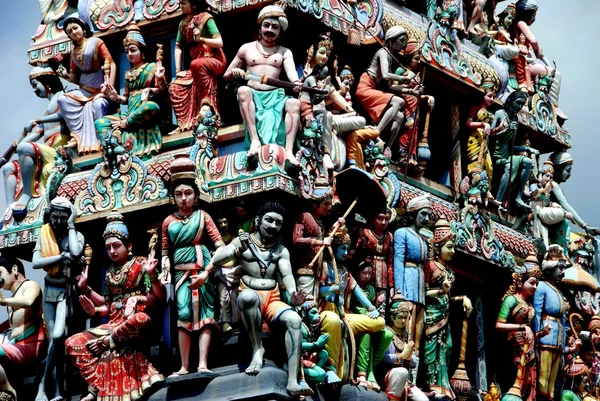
292, 118
55, 314
390, 115
249, 306
327, 139
9, 172
395, 383
4, 383
225, 302
525, 169
185, 340
204, 346
395, 132
293, 342
478, 6
332, 325
248, 112
27, 162
504, 181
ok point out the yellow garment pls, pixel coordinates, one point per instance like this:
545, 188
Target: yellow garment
548, 371
43, 168
49, 248
332, 325
474, 145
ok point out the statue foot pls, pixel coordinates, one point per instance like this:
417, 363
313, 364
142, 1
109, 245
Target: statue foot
299, 389
41, 395
327, 163
180, 372
289, 156
227, 327
332, 378
57, 398
373, 386
19, 210
519, 202
257, 362
254, 148
89, 397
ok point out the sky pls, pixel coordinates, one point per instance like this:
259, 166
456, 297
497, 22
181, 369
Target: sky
563, 29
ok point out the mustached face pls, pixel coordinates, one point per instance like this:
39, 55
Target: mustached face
270, 29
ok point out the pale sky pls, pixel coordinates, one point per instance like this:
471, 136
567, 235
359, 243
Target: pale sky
563, 28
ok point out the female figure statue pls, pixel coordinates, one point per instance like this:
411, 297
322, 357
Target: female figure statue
514, 318
560, 233
318, 53
106, 356
199, 34
142, 83
90, 61
438, 282
182, 233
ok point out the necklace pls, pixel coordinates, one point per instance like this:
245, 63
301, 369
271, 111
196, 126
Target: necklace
184, 219
79, 51
263, 264
264, 53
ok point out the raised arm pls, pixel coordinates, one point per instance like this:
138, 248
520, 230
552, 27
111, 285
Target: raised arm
40, 262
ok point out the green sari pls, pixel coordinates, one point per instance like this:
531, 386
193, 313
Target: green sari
142, 115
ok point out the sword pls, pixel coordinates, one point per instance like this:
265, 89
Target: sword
265, 80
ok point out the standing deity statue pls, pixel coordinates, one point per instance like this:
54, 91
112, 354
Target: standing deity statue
228, 281
515, 318
399, 359
439, 280
376, 93
108, 356
91, 67
195, 286
143, 82
58, 250
264, 259
551, 309
199, 34
270, 116
339, 291
410, 255
514, 169
26, 177
27, 338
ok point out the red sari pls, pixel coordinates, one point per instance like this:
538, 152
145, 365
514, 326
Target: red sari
201, 80
121, 372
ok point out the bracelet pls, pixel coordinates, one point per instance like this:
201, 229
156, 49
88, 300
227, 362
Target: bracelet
209, 269
371, 308
97, 309
2, 301
70, 227
336, 289
153, 276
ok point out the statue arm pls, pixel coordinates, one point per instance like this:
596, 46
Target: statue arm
38, 261
178, 56
384, 68
237, 62
399, 253
285, 269
26, 299
562, 200
526, 31
471, 123
76, 243
289, 66
213, 232
298, 237
362, 298
538, 305
339, 100
227, 253
498, 124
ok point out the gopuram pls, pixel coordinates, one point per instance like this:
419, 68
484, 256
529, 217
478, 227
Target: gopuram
315, 200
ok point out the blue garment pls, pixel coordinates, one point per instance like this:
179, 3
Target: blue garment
550, 308
410, 253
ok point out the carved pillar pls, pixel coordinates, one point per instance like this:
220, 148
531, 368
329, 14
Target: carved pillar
455, 164
481, 373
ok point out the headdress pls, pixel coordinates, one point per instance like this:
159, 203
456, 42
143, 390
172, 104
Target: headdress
115, 227
547, 167
273, 11
527, 5
554, 255
594, 323
443, 232
346, 72
182, 167
394, 32
510, 9
60, 203
325, 41
84, 25
577, 368
530, 267
418, 203
39, 71
400, 306
558, 158
412, 46
341, 236
134, 36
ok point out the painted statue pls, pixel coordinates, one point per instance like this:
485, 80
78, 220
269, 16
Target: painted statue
143, 82
375, 92
399, 360
228, 281
263, 259
26, 177
107, 356
182, 251
26, 340
551, 309
199, 34
376, 244
270, 116
58, 250
410, 255
310, 234
515, 318
318, 53
314, 356
439, 280
559, 233
478, 18
91, 67
514, 168
577, 382
338, 291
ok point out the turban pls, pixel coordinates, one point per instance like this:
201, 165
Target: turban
394, 32
273, 11
418, 203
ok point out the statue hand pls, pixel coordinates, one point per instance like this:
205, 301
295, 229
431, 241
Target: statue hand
96, 346
591, 230
150, 263
145, 94
62, 71
322, 340
431, 102
130, 306
513, 125
297, 86
298, 297
407, 350
244, 240
198, 280
238, 73
82, 278
446, 286
381, 298
344, 282
29, 127
467, 306
73, 215
576, 346
327, 241
160, 72
196, 31
87, 305
486, 129
545, 331
374, 314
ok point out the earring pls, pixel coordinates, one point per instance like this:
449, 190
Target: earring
130, 253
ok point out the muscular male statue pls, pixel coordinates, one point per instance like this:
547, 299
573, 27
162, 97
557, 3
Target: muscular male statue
269, 115
263, 258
